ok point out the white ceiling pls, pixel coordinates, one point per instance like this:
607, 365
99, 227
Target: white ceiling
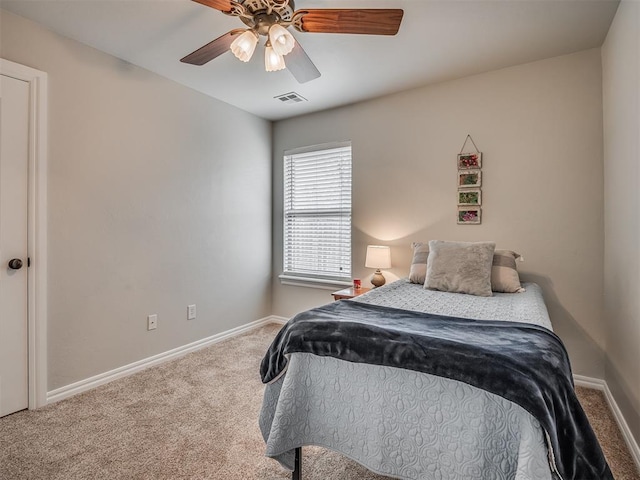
438, 40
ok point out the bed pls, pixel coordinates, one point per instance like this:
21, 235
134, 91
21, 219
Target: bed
405, 423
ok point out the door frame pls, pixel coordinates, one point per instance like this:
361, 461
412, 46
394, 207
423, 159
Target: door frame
37, 228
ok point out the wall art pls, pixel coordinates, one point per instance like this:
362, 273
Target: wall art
469, 160
469, 178
470, 197
469, 215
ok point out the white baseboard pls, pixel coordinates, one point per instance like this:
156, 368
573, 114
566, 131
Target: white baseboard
588, 382
106, 377
601, 385
276, 319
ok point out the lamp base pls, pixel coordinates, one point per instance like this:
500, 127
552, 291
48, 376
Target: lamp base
378, 280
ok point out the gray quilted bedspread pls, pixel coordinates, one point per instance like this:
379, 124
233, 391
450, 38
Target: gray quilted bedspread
407, 424
527, 307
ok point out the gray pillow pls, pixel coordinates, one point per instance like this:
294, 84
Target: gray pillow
460, 267
418, 271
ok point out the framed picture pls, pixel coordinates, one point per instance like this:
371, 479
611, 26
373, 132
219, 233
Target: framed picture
469, 160
470, 197
469, 215
469, 178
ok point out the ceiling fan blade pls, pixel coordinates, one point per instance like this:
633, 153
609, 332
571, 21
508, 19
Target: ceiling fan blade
300, 65
222, 5
212, 49
371, 21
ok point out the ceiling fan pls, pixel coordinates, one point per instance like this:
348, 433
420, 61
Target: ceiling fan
272, 18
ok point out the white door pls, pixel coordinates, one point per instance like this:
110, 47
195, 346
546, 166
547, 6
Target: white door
14, 155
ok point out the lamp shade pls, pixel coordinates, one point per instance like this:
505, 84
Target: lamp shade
378, 257
272, 61
281, 40
243, 46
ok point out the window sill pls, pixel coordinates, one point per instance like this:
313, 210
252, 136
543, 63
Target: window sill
313, 282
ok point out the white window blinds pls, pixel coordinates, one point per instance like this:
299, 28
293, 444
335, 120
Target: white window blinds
317, 213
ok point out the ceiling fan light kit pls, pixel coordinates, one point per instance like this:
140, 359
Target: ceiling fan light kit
279, 43
271, 18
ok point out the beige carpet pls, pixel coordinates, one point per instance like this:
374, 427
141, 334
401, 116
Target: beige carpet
192, 418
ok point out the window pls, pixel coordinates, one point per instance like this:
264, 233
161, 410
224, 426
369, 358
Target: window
317, 213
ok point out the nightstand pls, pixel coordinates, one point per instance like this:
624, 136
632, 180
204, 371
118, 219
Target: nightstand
349, 293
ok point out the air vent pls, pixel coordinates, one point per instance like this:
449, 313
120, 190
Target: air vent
291, 98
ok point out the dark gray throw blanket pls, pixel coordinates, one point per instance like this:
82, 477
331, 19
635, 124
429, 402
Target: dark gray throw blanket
526, 364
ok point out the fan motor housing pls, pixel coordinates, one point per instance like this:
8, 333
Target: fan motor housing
261, 22
266, 13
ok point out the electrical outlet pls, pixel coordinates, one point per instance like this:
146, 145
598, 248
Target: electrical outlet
152, 322
191, 312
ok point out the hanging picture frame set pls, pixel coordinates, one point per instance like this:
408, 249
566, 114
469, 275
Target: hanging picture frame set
469, 182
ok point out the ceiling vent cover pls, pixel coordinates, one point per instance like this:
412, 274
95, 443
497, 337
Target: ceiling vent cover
291, 98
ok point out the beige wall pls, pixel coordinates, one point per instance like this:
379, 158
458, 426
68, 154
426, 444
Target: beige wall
152, 204
621, 84
539, 126
156, 201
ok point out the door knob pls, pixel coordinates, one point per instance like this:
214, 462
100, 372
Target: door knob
15, 264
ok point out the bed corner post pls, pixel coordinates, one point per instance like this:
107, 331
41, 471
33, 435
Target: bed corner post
297, 467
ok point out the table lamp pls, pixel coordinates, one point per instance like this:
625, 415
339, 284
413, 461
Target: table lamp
378, 257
